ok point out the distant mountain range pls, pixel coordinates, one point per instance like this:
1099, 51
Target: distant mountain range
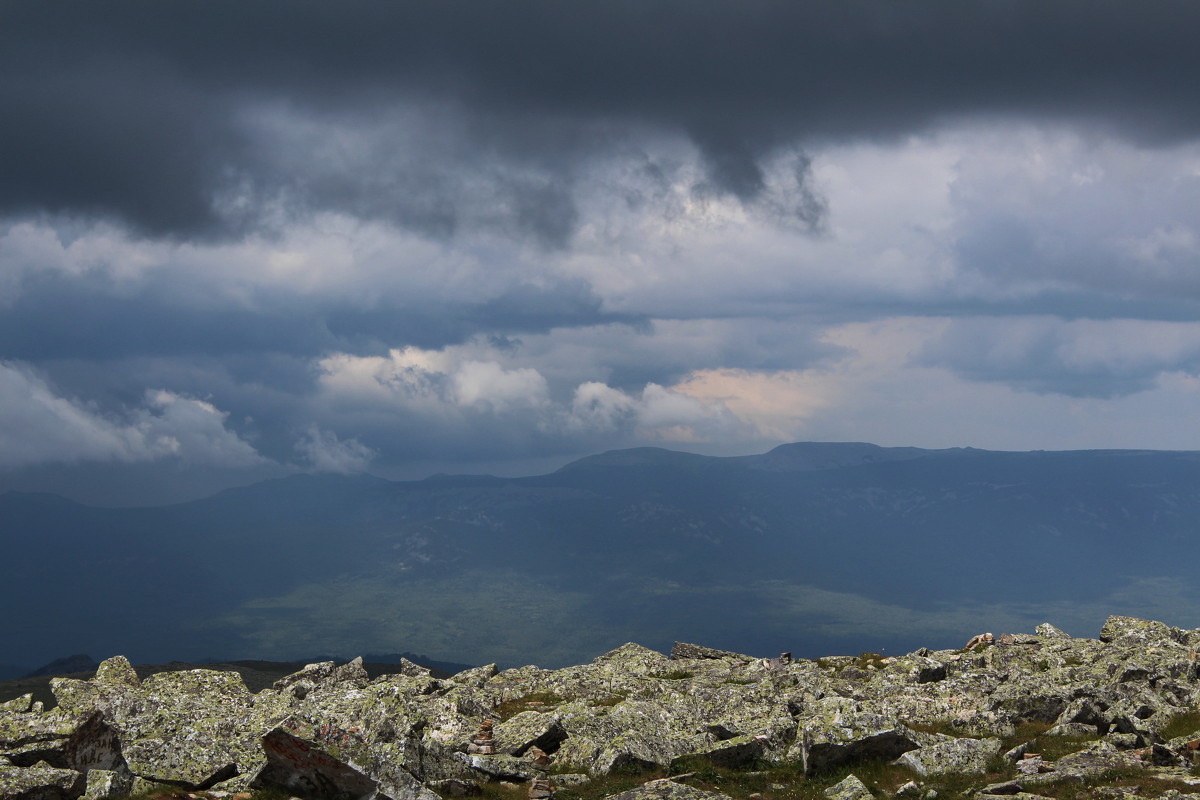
812, 548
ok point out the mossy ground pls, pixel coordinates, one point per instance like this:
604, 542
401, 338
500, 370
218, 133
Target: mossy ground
536, 701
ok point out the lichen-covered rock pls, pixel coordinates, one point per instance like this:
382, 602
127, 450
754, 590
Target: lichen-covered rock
529, 729
500, 767
18, 705
633, 659
840, 734
40, 782
1093, 760
94, 745
75, 696
194, 728
684, 650
633, 734
1048, 631
957, 756
850, 788
31, 737
665, 789
927, 670
629, 708
116, 672
475, 677
324, 675
104, 783
1130, 630
734, 752
1072, 729
456, 787
309, 761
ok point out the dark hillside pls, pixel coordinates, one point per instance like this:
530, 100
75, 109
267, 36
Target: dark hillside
813, 547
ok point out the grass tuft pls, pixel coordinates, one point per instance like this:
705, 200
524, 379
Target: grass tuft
536, 701
1184, 724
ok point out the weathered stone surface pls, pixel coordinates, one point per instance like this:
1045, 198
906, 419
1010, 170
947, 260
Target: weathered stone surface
40, 782
116, 672
927, 670
664, 789
31, 737
958, 756
94, 745
1072, 729
633, 659
1048, 631
843, 735
18, 705
1130, 630
456, 787
193, 727
476, 676
308, 761
103, 783
684, 650
324, 675
529, 729
630, 708
1093, 760
500, 767
850, 788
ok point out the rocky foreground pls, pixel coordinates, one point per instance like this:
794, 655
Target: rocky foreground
1015, 715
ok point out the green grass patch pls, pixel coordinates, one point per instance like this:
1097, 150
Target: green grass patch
674, 675
536, 701
175, 793
1184, 724
502, 790
621, 780
869, 661
1025, 732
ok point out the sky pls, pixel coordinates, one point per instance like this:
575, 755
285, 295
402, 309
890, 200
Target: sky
240, 240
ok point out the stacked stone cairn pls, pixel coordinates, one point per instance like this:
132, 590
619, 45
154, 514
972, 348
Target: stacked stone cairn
540, 787
482, 743
1125, 703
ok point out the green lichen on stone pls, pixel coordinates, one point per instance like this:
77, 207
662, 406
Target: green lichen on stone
1128, 701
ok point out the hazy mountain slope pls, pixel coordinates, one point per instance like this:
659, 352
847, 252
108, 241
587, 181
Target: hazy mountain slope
811, 546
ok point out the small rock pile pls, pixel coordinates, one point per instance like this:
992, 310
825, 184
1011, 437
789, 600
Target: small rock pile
328, 732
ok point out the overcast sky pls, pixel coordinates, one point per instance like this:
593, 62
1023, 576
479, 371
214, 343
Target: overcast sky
245, 239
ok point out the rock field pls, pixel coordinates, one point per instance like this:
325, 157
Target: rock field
1017, 715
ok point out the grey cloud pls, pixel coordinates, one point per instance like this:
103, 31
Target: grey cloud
37, 426
138, 112
1101, 359
56, 316
325, 452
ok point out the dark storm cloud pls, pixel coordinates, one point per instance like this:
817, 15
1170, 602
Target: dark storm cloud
55, 317
137, 111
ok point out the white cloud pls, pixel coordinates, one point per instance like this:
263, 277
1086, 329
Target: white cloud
487, 384
38, 426
432, 381
325, 452
599, 407
446, 388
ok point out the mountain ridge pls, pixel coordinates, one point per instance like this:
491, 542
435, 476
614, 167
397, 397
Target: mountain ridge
810, 547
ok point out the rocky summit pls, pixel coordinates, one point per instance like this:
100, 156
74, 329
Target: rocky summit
1012, 715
